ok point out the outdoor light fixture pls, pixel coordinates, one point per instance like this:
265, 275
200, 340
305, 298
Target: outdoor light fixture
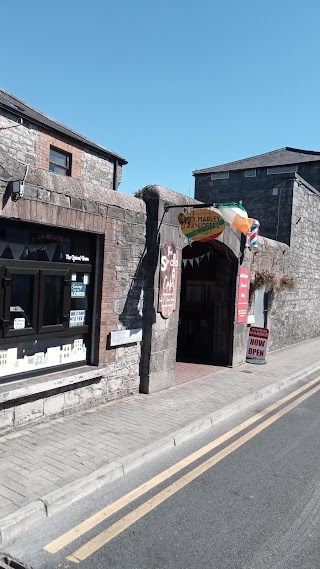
17, 190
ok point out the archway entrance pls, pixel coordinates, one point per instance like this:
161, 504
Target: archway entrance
207, 304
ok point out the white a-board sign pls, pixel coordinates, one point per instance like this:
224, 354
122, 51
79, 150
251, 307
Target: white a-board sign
257, 345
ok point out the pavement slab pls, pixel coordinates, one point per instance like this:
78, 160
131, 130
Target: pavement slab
47, 466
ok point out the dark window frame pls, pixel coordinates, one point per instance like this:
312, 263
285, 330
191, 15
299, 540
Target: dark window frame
66, 302
40, 269
67, 168
9, 272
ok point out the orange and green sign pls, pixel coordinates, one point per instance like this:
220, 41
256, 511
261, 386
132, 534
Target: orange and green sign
201, 224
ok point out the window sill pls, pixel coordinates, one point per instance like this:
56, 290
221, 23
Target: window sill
27, 387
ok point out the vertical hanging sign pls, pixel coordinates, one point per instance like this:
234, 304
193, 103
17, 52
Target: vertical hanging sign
243, 295
168, 283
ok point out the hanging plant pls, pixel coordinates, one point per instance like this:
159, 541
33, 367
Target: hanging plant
287, 282
272, 281
265, 279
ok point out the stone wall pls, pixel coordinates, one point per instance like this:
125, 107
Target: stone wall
31, 145
305, 262
272, 211
295, 314
120, 221
157, 368
310, 171
19, 141
99, 171
159, 344
274, 257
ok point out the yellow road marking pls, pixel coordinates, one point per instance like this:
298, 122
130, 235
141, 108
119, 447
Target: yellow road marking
108, 511
104, 537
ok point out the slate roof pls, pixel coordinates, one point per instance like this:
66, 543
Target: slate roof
281, 157
20, 109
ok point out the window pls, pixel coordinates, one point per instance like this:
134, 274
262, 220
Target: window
60, 162
46, 297
283, 169
220, 176
250, 173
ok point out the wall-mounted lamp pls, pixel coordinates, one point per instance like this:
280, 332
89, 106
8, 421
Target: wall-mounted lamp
17, 190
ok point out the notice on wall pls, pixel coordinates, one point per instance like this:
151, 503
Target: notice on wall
120, 337
169, 274
78, 290
257, 345
77, 318
243, 295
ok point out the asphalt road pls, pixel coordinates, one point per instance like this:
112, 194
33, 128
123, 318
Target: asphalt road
252, 501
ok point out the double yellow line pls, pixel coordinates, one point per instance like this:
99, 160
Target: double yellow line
118, 527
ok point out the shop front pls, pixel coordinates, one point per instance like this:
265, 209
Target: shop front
46, 298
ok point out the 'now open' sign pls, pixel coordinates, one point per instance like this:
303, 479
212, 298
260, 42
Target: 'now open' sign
257, 345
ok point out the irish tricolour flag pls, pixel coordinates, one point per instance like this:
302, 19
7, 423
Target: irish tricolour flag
237, 216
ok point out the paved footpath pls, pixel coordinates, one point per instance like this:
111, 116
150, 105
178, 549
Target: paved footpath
47, 466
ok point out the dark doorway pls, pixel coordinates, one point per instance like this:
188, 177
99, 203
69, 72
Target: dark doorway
207, 302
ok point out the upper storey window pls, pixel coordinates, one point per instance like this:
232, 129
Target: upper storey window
59, 161
290, 169
219, 175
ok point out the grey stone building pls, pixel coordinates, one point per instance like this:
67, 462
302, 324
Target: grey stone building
70, 246
280, 189
82, 292
264, 183
31, 137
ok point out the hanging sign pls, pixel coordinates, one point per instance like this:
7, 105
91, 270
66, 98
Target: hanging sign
169, 272
243, 295
257, 345
201, 224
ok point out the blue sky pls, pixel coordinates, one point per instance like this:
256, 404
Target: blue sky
172, 85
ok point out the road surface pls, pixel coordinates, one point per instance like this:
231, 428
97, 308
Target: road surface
244, 495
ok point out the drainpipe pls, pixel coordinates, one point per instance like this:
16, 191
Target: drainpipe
115, 175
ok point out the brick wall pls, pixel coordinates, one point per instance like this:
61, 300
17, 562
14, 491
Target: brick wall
45, 140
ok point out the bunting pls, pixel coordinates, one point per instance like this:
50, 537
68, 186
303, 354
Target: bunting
196, 260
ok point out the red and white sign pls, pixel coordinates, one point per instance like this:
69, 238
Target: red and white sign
257, 345
243, 295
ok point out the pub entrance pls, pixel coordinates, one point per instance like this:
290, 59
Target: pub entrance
207, 304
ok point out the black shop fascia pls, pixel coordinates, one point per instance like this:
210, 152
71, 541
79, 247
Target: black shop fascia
46, 298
